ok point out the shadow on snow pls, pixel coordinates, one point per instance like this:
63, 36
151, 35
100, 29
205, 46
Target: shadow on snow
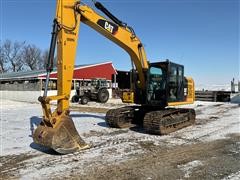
34, 122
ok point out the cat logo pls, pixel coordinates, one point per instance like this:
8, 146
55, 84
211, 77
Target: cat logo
107, 25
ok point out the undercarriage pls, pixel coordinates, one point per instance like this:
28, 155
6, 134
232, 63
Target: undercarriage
154, 120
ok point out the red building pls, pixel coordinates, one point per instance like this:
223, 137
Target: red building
84, 73
34, 81
87, 72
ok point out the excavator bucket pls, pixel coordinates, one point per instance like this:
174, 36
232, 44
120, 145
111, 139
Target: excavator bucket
63, 137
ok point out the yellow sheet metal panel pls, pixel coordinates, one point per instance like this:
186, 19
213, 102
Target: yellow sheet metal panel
191, 90
190, 94
128, 97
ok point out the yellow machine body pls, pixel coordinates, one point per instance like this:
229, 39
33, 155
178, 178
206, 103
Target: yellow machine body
57, 129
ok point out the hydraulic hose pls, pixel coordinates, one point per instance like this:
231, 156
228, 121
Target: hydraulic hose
50, 60
99, 6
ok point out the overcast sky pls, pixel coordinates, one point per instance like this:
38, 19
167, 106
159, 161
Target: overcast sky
203, 35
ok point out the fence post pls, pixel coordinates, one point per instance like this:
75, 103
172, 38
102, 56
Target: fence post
232, 86
238, 86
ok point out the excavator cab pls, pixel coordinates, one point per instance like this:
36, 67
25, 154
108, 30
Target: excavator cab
165, 83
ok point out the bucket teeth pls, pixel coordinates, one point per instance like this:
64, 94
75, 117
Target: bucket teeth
63, 137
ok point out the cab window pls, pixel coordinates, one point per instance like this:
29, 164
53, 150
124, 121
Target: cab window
176, 83
156, 85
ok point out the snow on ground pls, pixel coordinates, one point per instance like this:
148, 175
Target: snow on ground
111, 103
189, 167
235, 98
234, 176
221, 118
18, 119
15, 128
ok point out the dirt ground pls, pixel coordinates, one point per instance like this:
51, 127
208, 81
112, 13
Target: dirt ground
214, 160
208, 150
217, 159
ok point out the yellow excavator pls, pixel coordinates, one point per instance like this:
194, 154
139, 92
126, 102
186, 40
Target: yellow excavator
155, 87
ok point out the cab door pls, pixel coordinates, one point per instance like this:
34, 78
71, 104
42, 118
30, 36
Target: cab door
176, 83
156, 86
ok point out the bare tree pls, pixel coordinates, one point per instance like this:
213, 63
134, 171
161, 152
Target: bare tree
2, 61
11, 53
44, 58
45, 55
32, 57
19, 56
